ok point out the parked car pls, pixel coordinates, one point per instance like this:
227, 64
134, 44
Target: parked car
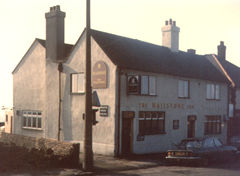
235, 141
201, 150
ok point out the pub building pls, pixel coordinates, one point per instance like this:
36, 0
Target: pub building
151, 96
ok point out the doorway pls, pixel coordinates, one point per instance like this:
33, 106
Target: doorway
127, 132
191, 126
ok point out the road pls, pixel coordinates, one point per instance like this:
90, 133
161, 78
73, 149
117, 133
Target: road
230, 169
178, 171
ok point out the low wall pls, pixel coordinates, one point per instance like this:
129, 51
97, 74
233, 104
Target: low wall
56, 152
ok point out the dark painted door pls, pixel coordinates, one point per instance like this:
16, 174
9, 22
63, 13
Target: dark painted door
127, 133
191, 126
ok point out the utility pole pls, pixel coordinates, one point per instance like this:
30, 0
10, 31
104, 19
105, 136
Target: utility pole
88, 153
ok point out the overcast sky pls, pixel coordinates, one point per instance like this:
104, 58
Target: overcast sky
203, 24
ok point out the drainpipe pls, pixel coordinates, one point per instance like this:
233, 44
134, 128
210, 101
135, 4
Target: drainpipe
60, 70
119, 113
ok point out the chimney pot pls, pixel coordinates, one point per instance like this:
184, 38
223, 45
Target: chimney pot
166, 23
174, 23
170, 21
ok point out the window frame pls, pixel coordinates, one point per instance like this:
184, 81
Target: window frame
186, 94
213, 125
213, 91
76, 91
176, 124
146, 124
28, 117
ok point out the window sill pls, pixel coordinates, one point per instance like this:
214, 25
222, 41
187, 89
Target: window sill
153, 134
142, 95
80, 93
30, 128
184, 97
213, 99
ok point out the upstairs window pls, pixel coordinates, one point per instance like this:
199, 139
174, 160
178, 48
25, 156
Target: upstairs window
213, 92
77, 83
183, 89
141, 85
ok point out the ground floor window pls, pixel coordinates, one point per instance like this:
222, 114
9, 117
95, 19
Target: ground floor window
151, 122
212, 125
32, 119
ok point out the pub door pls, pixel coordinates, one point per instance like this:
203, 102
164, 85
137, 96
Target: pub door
191, 126
127, 132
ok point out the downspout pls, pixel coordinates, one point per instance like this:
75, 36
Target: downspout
227, 121
118, 109
60, 69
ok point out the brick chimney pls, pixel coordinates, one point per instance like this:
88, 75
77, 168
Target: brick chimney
55, 49
221, 50
191, 51
170, 35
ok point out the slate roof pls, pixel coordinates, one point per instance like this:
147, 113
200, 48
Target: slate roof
142, 56
232, 70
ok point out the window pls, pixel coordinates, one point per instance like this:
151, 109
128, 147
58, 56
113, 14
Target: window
151, 122
175, 124
77, 83
212, 125
213, 91
183, 89
32, 119
6, 118
141, 85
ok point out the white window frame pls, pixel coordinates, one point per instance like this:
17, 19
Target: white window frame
77, 83
183, 89
148, 85
213, 91
28, 116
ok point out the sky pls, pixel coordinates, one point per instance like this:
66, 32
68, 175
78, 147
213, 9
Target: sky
203, 24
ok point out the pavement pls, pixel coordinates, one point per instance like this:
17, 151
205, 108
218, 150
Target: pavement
102, 165
110, 165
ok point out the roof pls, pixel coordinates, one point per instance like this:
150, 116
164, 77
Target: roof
232, 70
142, 56
68, 48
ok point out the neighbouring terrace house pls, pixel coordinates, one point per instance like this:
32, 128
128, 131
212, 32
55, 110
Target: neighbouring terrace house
151, 96
232, 72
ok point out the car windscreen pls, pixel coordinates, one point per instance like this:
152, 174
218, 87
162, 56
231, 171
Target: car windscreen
193, 144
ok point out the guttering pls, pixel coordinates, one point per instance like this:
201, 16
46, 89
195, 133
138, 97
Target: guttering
118, 110
60, 70
223, 70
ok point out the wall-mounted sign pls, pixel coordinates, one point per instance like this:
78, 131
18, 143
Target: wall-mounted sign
99, 75
166, 105
104, 111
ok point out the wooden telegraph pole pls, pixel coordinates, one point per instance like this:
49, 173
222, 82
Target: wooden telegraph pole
88, 153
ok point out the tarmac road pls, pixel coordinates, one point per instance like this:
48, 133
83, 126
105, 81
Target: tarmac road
139, 166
